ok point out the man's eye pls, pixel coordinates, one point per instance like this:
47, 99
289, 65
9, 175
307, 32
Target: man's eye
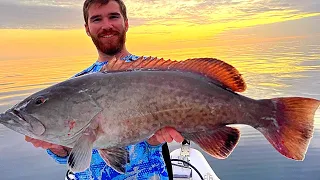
96, 20
114, 17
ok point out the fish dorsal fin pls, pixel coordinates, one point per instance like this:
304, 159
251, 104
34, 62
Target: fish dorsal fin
213, 68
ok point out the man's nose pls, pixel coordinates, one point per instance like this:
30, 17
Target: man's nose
107, 25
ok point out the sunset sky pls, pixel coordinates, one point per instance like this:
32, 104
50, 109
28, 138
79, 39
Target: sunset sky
42, 28
51, 32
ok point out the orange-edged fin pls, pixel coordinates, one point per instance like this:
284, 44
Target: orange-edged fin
292, 126
215, 69
218, 143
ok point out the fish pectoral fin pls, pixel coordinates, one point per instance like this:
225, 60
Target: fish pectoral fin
219, 143
116, 158
80, 155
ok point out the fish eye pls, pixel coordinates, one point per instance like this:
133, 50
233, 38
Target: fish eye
40, 100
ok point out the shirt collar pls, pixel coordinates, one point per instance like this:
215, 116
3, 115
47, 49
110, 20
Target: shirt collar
126, 58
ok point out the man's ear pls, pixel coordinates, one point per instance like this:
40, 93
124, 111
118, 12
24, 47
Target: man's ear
126, 24
87, 29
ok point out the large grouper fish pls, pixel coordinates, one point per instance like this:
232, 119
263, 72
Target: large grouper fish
127, 102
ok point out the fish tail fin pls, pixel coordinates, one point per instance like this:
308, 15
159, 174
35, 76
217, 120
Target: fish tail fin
293, 126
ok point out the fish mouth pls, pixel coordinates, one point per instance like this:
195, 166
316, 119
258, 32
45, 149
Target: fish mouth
18, 115
13, 118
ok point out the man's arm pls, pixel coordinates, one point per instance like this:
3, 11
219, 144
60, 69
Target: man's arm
167, 134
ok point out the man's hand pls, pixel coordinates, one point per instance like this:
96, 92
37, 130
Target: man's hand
56, 149
166, 134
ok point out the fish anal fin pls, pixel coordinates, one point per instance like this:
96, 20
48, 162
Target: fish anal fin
219, 143
117, 158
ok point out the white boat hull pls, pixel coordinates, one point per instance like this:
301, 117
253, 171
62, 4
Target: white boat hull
198, 161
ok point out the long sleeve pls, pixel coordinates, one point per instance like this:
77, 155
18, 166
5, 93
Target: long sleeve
58, 159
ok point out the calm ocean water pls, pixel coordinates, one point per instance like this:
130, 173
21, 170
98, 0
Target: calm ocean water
271, 69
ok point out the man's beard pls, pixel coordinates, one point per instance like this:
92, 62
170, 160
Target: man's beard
110, 48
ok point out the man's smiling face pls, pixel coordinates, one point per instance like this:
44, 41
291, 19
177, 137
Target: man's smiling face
107, 27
